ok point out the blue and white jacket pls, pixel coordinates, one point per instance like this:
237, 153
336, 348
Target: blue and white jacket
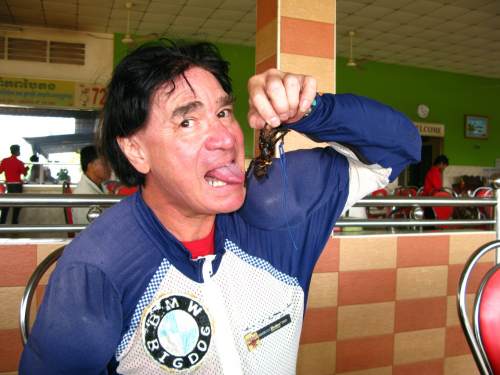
127, 298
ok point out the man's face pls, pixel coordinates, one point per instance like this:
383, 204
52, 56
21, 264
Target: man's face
442, 166
100, 169
193, 148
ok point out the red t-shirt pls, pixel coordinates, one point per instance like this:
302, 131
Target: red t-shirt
203, 246
13, 169
433, 181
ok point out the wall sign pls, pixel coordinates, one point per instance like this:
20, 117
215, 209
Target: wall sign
427, 129
50, 93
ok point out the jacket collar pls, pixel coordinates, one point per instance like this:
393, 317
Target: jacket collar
169, 246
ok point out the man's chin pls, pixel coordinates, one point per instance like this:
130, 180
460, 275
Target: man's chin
231, 203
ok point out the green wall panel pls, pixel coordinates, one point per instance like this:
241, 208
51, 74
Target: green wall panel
450, 96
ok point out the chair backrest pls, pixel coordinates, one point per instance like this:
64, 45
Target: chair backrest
406, 191
442, 212
68, 216
482, 334
484, 192
29, 291
126, 190
378, 212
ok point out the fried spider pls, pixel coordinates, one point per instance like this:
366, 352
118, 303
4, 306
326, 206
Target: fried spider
268, 138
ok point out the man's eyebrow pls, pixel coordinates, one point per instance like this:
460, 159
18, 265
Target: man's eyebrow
225, 100
186, 108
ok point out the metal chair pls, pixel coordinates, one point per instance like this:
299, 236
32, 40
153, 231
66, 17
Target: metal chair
482, 335
484, 192
379, 212
29, 291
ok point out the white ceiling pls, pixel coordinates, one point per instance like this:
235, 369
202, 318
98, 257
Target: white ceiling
452, 35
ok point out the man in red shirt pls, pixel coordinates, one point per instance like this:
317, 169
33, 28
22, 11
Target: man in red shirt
13, 169
434, 177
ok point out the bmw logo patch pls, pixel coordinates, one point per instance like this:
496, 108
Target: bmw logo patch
176, 332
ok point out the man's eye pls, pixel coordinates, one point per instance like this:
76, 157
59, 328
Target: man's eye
187, 123
224, 113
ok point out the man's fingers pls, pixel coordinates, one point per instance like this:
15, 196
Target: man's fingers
260, 104
255, 120
308, 93
277, 94
293, 84
277, 97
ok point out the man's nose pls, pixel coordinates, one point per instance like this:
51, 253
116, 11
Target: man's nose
220, 136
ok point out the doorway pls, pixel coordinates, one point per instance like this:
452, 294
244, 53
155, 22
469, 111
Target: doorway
431, 148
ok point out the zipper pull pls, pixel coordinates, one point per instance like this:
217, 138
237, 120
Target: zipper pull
207, 270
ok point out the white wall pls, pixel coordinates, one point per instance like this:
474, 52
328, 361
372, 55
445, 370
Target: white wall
98, 60
452, 172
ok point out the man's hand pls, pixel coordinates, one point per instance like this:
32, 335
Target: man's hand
276, 97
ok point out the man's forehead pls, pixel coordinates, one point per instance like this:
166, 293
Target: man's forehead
184, 93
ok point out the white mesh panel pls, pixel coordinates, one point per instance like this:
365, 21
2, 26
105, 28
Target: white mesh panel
255, 295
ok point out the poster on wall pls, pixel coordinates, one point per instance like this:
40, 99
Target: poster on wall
50, 93
476, 127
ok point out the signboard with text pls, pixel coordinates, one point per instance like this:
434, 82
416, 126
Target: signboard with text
427, 129
50, 93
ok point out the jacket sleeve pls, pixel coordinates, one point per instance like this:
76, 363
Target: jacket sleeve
76, 331
378, 141
375, 132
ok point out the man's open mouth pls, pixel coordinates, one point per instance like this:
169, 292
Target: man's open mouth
225, 174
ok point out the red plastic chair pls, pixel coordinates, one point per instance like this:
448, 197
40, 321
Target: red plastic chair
68, 215
404, 191
482, 334
378, 212
111, 186
126, 190
484, 192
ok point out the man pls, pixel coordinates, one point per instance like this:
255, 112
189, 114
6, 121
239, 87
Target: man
95, 172
434, 178
198, 272
13, 169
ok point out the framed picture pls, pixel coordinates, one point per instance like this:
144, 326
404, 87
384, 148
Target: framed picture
476, 127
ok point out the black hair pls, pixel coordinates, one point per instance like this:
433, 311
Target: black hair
34, 158
15, 149
135, 81
87, 155
441, 159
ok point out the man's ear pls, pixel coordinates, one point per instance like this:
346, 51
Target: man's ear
134, 152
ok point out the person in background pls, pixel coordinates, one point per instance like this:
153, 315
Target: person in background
35, 175
434, 178
95, 172
205, 271
13, 169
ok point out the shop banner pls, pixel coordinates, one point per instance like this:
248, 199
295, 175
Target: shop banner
89, 96
50, 93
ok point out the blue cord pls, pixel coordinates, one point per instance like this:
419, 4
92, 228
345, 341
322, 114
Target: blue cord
285, 188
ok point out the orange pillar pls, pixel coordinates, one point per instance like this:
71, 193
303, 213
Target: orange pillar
297, 36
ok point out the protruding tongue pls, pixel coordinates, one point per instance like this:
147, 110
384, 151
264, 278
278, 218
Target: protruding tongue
230, 174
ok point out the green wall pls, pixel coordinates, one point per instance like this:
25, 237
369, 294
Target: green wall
242, 67
449, 96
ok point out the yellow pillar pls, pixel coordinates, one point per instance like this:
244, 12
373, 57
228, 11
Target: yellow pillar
297, 36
